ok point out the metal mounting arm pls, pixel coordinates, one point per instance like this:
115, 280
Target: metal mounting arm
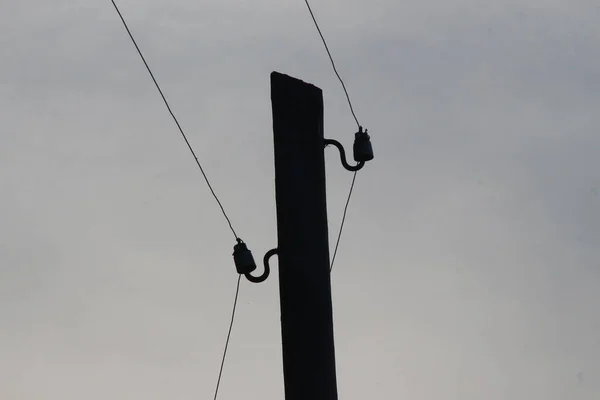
267, 271
343, 156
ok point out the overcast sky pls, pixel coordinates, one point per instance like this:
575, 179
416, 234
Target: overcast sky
470, 263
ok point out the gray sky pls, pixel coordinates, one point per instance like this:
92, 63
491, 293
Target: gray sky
470, 265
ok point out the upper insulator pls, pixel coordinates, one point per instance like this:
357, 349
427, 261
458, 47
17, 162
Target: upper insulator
363, 151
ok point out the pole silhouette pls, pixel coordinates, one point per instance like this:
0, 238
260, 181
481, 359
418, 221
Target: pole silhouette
303, 244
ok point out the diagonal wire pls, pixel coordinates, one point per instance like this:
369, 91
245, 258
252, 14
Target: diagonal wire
237, 291
355, 119
174, 118
332, 62
343, 220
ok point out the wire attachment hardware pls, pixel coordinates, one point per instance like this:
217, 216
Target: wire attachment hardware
363, 150
267, 271
242, 257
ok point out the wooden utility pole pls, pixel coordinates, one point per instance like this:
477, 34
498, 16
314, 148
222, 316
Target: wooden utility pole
303, 248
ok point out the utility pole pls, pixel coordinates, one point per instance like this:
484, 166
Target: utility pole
303, 245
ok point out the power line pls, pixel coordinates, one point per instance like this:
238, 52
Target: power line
355, 119
343, 220
332, 62
237, 291
174, 119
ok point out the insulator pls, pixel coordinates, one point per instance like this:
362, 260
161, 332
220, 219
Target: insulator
363, 150
242, 257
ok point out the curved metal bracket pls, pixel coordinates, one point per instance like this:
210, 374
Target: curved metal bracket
267, 271
349, 167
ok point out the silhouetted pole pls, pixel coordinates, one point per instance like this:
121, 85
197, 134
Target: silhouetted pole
303, 248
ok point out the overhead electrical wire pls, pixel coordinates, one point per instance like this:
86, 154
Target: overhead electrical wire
205, 178
355, 119
332, 62
237, 291
174, 118
337, 243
